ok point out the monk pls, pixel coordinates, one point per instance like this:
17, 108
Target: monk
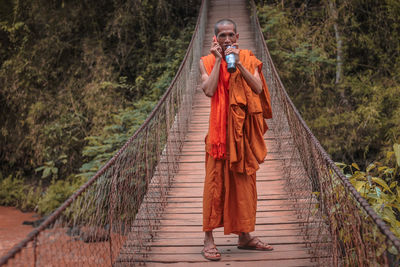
240, 103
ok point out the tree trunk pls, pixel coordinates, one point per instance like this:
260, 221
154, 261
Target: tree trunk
339, 53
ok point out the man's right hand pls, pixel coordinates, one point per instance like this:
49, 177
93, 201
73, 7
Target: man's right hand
210, 82
216, 50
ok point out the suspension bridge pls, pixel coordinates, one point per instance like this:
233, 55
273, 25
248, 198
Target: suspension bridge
145, 205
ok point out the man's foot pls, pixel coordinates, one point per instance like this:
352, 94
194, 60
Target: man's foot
253, 243
211, 253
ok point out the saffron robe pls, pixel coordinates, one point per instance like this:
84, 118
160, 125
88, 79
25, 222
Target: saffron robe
230, 194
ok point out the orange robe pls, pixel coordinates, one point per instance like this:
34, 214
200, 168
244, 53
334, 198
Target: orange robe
230, 194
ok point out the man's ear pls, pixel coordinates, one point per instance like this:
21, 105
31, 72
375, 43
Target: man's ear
215, 38
237, 36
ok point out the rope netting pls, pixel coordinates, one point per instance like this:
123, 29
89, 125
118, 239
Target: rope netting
339, 226
117, 208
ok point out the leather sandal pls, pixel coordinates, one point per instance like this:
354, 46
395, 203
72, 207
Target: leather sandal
256, 244
211, 254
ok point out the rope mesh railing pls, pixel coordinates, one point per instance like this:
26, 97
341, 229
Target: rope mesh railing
339, 226
115, 213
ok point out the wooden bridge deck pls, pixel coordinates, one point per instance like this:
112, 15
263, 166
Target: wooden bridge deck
179, 239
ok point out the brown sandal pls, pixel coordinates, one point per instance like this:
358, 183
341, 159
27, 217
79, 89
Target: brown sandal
256, 244
211, 254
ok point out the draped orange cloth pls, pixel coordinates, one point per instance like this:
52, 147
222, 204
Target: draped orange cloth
230, 194
219, 110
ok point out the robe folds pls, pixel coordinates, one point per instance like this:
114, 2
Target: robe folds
230, 194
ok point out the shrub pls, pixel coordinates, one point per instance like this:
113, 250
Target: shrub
12, 191
57, 193
378, 184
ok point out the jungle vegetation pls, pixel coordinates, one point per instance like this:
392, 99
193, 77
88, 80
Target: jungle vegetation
339, 60
340, 63
77, 78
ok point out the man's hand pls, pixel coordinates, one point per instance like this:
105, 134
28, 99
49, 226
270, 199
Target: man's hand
252, 79
234, 49
209, 83
216, 49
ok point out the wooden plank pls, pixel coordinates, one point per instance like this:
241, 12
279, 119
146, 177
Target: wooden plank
224, 241
223, 249
199, 203
197, 257
274, 263
259, 221
198, 216
218, 235
183, 191
198, 228
184, 183
198, 177
261, 197
199, 209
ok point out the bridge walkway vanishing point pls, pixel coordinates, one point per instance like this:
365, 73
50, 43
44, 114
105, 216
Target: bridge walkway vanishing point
144, 206
179, 238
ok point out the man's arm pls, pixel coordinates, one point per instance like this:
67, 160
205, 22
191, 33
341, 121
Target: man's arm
209, 83
253, 80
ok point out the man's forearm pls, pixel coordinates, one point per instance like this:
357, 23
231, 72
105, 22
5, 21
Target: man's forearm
209, 86
254, 82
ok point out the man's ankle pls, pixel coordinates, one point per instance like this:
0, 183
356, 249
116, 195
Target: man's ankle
244, 236
208, 237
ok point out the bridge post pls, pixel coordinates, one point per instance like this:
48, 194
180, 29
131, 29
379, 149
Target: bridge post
111, 211
34, 251
168, 125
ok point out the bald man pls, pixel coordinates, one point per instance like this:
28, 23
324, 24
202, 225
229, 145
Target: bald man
235, 147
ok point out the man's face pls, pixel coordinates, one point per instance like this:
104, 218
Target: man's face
226, 35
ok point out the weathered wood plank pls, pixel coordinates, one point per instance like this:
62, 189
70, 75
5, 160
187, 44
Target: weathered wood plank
224, 249
274, 263
197, 257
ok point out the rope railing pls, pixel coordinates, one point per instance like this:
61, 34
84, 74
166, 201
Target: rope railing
340, 227
116, 211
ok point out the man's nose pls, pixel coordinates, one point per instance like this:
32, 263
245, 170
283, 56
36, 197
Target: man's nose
227, 39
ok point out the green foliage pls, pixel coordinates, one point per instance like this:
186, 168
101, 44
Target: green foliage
356, 120
14, 192
156, 78
378, 184
76, 83
57, 193
69, 72
102, 147
396, 149
49, 168
60, 65
31, 199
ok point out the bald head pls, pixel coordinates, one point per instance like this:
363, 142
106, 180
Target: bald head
224, 22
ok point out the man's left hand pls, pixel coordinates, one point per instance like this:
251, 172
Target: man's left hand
234, 49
